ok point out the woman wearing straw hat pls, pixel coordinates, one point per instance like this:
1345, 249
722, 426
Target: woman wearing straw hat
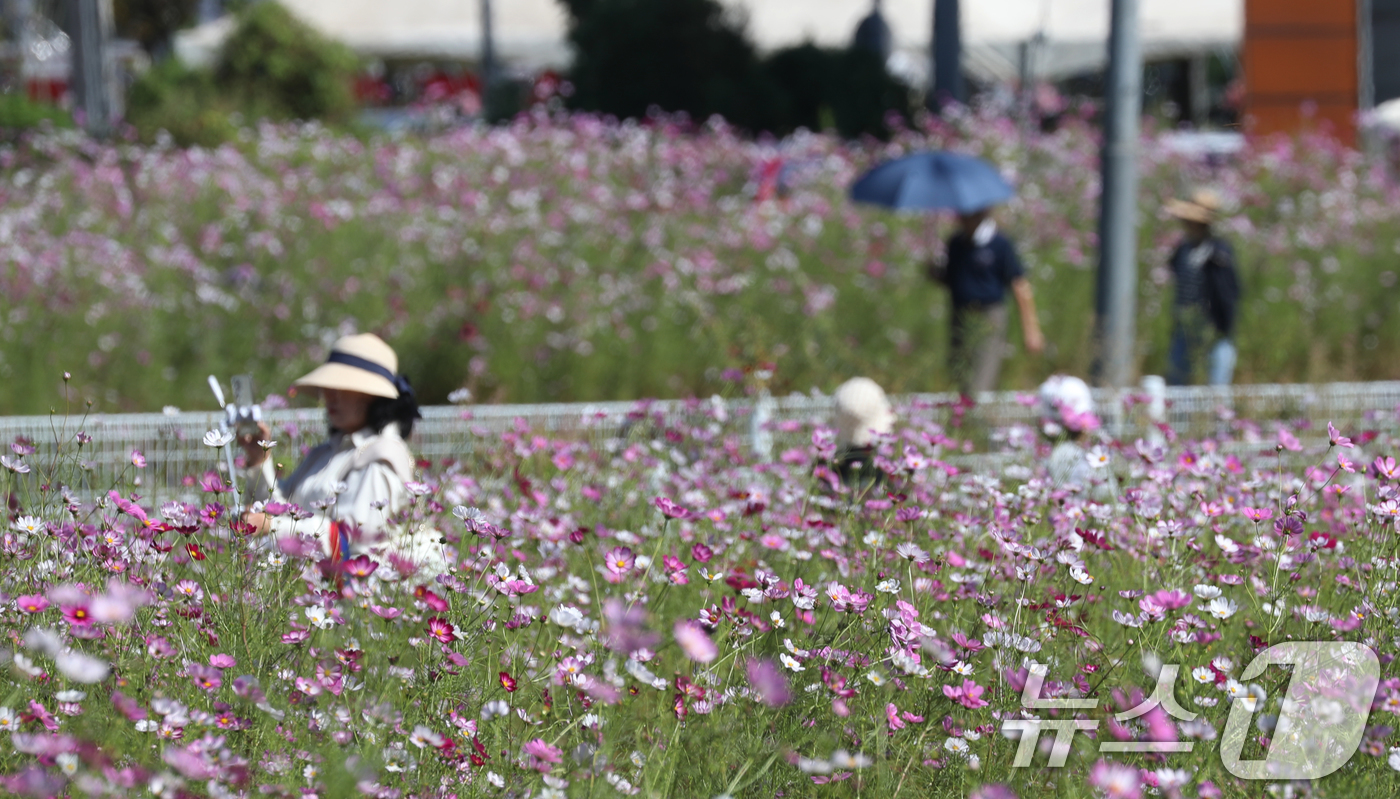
863, 416
1207, 293
356, 479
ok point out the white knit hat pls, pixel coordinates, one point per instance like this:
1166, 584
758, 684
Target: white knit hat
1066, 404
862, 412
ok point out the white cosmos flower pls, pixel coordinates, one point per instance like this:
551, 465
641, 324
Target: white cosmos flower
965, 669
82, 668
843, 759
217, 438
566, 616
1394, 759
319, 617
1222, 608
791, 662
1080, 576
890, 586
777, 619
1203, 675
1206, 592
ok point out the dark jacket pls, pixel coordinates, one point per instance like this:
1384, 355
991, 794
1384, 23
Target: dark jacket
1217, 290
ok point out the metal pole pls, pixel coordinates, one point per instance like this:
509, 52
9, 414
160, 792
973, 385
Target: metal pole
88, 83
1116, 298
488, 52
946, 56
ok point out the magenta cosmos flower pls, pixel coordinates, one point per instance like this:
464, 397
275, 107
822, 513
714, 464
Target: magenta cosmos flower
969, 694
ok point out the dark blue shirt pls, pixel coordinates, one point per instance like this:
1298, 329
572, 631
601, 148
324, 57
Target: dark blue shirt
980, 275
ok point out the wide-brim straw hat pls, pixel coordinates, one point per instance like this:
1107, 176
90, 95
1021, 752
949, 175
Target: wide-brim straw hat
863, 412
1202, 206
362, 363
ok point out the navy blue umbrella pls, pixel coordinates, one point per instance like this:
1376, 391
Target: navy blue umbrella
936, 181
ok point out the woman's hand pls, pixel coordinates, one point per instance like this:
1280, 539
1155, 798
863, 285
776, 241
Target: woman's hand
252, 450
261, 524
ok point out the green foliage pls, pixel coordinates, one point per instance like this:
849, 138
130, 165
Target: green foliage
285, 68
689, 55
849, 89
153, 22
184, 102
678, 55
19, 113
273, 67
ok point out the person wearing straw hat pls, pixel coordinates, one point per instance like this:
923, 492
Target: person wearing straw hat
1207, 294
863, 416
356, 480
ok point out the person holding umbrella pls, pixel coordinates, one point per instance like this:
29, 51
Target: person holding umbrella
981, 266
979, 269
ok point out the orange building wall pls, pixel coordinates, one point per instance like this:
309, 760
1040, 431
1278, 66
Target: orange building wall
1297, 53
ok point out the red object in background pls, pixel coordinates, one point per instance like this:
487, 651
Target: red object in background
1300, 66
46, 90
768, 179
370, 90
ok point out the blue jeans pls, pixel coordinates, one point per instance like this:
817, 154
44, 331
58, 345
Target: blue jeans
1188, 341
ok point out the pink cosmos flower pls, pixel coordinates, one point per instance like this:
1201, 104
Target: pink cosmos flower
892, 718
222, 661
618, 561
694, 642
1257, 514
768, 682
31, 603
359, 566
1288, 441
442, 630
77, 615
542, 755
1116, 780
1386, 467
1336, 439
969, 694
206, 677
1346, 464
670, 509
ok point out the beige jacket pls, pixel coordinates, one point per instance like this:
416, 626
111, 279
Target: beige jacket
357, 478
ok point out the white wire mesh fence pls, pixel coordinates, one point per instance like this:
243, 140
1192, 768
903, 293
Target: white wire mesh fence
172, 448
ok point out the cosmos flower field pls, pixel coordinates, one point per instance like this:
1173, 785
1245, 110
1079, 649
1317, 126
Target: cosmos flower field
660, 613
575, 259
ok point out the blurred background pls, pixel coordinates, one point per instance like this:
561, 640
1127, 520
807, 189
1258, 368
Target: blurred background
546, 200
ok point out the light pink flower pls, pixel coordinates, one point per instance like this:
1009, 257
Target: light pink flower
695, 642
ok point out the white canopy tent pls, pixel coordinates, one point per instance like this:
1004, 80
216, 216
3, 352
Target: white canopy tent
532, 34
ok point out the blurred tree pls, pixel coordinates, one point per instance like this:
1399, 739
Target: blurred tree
689, 55
678, 55
848, 90
280, 63
152, 23
273, 66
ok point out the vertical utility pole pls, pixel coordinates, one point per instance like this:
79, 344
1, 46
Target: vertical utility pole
88, 84
488, 53
1116, 298
946, 58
